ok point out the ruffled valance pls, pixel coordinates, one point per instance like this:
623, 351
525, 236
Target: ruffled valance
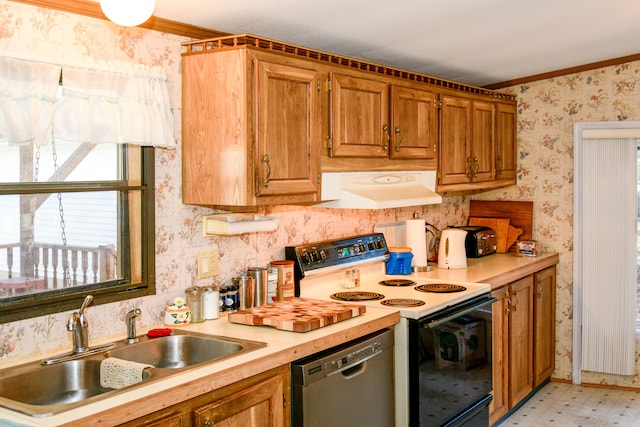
96, 102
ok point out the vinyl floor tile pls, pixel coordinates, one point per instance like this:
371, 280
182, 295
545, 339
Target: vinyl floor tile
568, 405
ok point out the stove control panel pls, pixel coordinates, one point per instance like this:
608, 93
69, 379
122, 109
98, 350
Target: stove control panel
336, 252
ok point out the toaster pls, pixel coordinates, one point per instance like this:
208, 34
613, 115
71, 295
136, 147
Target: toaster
480, 241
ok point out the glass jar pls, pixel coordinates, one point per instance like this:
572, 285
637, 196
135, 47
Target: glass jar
211, 302
194, 301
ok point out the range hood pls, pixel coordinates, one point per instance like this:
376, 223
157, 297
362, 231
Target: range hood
378, 190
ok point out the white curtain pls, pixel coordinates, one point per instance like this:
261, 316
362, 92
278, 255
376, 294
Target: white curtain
27, 99
605, 248
99, 102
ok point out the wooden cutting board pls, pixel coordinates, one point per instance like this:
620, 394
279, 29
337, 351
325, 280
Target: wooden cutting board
520, 214
297, 314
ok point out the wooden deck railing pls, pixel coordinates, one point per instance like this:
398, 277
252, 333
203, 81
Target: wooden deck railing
50, 263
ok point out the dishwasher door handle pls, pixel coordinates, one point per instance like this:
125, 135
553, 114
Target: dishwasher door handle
360, 364
354, 371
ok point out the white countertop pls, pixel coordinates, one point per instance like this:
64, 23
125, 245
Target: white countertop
283, 347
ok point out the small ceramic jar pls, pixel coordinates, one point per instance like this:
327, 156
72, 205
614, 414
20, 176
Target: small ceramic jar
177, 314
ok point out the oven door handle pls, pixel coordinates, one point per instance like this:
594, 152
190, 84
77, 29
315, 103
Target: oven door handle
440, 321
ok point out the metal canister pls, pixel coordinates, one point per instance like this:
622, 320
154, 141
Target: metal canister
247, 290
260, 276
194, 301
286, 285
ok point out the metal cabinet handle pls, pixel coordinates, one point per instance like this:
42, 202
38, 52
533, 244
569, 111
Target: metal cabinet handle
385, 129
507, 309
400, 140
469, 167
265, 160
515, 305
477, 166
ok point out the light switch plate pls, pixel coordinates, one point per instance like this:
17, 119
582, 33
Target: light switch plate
208, 264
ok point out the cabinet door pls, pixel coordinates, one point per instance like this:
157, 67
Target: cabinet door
359, 116
506, 142
482, 142
259, 405
455, 141
520, 339
288, 126
414, 124
544, 325
500, 356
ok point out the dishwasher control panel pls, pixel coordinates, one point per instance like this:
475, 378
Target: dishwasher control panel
353, 358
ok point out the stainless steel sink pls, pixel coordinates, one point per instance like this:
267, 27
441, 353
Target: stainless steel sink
43, 390
179, 351
60, 384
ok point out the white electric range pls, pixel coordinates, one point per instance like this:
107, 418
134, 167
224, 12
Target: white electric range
353, 269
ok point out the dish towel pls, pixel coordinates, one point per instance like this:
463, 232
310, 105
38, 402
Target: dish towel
118, 373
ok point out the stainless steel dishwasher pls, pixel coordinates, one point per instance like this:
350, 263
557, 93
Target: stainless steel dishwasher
350, 385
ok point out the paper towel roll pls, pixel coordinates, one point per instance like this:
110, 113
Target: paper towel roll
416, 239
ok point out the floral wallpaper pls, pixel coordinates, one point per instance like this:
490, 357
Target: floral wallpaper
547, 111
56, 36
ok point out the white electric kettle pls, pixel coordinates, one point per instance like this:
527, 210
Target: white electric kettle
452, 252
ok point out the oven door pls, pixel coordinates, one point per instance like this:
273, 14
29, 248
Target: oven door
450, 364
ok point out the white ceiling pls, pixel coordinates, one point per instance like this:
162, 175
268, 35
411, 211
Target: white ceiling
477, 42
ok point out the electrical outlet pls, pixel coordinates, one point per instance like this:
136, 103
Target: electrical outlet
208, 264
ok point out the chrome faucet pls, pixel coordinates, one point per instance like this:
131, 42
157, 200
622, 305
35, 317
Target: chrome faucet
77, 323
131, 326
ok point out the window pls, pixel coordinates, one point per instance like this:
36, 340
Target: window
77, 219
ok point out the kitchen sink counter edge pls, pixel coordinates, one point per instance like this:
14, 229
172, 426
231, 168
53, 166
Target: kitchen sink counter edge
282, 348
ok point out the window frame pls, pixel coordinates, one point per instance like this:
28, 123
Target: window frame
60, 300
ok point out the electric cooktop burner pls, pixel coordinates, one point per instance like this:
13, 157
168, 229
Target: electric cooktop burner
397, 282
402, 302
440, 287
357, 296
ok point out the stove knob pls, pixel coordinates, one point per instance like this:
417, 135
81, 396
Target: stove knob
323, 255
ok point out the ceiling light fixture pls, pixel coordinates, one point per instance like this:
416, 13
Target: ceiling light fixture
128, 13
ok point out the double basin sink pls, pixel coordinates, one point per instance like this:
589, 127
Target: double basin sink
43, 390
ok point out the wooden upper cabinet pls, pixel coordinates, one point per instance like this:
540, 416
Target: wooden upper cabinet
359, 116
506, 143
251, 129
455, 141
473, 142
414, 123
288, 128
483, 152
373, 119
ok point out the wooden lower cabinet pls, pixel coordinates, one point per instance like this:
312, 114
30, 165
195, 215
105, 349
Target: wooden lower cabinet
523, 339
544, 315
259, 401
